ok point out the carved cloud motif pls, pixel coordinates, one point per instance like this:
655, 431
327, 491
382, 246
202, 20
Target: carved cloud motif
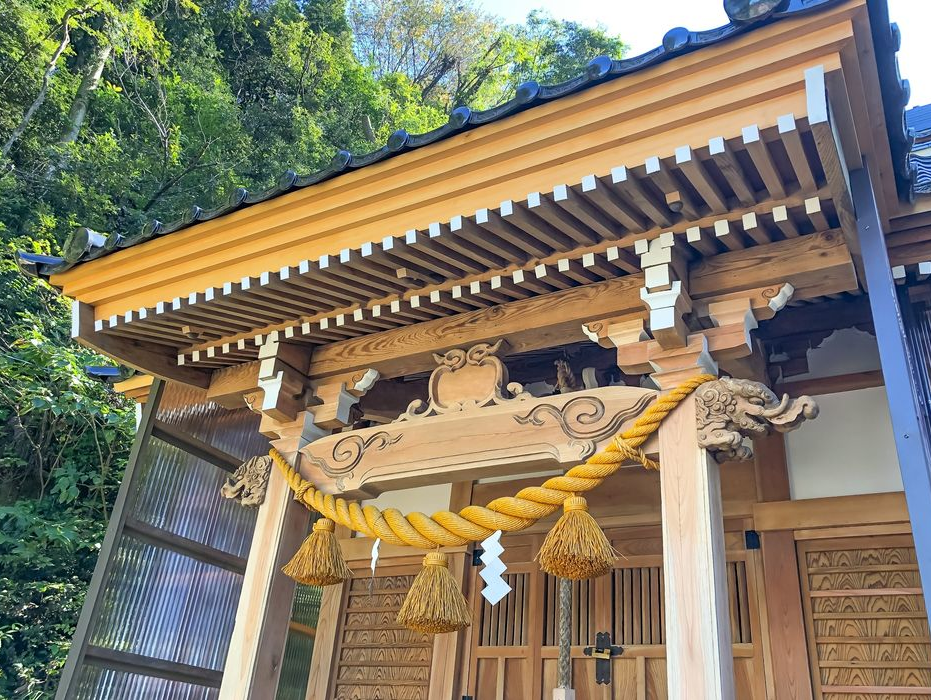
582, 420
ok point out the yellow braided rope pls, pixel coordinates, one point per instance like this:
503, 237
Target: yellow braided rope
510, 513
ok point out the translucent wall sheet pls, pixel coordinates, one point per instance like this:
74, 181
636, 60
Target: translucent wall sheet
295, 666
104, 684
180, 493
157, 602
165, 605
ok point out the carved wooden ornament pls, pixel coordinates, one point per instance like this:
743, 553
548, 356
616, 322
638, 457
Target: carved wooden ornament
466, 379
506, 438
247, 484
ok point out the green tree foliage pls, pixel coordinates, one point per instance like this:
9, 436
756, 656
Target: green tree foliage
115, 112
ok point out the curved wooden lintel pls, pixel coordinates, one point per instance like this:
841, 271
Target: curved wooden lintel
553, 432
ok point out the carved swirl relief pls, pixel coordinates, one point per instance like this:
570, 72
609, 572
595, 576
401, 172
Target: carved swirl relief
581, 420
348, 452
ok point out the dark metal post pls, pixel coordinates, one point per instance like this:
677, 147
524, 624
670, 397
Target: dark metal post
911, 441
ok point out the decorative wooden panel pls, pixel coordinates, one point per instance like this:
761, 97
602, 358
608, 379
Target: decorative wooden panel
866, 619
514, 653
377, 659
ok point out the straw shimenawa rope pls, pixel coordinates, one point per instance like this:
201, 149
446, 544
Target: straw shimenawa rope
510, 513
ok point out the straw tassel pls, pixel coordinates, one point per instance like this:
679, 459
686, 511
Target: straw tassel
576, 548
319, 561
435, 603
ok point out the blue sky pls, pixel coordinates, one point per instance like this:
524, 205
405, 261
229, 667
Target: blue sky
642, 23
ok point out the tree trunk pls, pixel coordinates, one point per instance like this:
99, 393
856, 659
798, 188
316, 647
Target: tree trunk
89, 84
50, 69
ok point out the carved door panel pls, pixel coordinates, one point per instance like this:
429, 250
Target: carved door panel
865, 616
514, 650
375, 658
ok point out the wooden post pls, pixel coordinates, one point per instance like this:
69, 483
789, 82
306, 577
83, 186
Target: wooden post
699, 658
448, 648
253, 663
788, 647
321, 664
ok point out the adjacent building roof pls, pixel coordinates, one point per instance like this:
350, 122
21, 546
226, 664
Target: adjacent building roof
85, 245
919, 120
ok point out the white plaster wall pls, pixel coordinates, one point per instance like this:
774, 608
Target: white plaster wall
426, 499
849, 449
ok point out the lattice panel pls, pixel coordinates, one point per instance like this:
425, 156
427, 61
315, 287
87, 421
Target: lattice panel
867, 623
514, 647
378, 659
506, 624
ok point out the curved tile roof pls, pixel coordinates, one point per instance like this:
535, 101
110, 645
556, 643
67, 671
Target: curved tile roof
85, 245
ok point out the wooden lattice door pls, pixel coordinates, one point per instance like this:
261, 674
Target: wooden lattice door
514, 644
866, 620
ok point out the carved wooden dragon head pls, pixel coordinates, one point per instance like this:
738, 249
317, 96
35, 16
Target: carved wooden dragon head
728, 410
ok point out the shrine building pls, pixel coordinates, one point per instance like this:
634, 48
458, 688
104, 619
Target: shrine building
625, 381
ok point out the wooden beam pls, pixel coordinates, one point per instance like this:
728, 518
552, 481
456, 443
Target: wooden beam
190, 548
870, 509
827, 141
149, 666
831, 385
699, 657
149, 358
814, 265
198, 448
528, 324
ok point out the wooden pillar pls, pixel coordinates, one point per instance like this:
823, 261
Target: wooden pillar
699, 657
321, 665
253, 663
788, 646
447, 648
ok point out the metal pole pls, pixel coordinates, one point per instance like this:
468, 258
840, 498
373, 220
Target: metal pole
565, 633
911, 440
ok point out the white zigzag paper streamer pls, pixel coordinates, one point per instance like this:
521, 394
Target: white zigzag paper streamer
495, 586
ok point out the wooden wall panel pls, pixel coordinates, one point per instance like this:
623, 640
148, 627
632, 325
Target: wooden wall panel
866, 619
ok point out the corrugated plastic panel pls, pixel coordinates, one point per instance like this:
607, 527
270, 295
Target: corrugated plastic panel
161, 604
180, 493
104, 684
235, 432
165, 605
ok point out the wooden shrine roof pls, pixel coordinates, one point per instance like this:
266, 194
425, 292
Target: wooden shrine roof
85, 245
522, 223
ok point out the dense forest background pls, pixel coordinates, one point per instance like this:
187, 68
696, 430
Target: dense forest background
114, 112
